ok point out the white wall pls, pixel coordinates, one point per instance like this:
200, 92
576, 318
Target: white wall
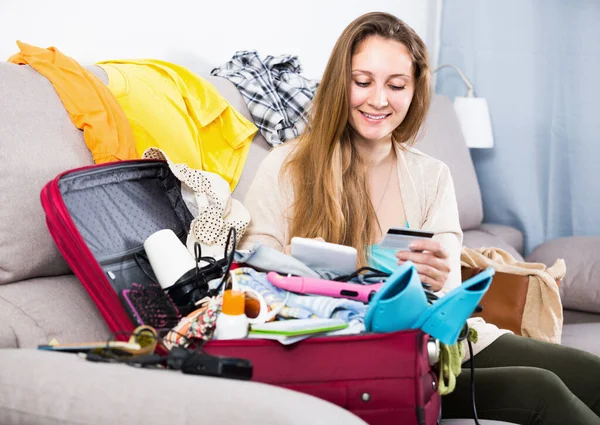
198, 34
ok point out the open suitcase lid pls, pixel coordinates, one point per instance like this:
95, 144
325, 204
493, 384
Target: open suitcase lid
116, 207
100, 217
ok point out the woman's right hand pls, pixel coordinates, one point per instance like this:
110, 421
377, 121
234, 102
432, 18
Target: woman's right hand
288, 248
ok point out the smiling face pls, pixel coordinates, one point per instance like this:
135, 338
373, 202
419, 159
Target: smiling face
381, 88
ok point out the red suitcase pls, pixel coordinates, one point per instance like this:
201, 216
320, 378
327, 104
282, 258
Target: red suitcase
100, 216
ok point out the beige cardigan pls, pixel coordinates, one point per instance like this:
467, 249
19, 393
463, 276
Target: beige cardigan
429, 200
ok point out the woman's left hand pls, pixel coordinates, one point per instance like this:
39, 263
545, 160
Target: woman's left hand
432, 263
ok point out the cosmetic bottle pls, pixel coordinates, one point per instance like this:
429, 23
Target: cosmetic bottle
232, 322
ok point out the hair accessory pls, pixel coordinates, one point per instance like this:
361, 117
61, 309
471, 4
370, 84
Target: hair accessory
170, 259
330, 288
150, 305
187, 290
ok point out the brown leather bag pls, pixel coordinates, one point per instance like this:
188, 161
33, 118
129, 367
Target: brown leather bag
504, 302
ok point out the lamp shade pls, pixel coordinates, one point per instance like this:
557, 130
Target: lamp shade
474, 118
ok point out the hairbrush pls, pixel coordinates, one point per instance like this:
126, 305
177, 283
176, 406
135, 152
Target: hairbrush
150, 305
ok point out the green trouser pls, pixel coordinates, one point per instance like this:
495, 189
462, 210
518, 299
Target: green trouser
525, 381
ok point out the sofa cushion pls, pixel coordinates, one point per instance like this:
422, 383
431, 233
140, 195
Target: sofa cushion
55, 388
510, 235
441, 138
583, 336
580, 289
35, 311
37, 141
477, 238
574, 316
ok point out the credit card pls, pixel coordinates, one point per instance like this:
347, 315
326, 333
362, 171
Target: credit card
399, 239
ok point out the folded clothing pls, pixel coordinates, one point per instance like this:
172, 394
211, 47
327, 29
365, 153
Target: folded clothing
300, 306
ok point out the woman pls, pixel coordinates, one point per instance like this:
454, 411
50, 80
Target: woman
353, 174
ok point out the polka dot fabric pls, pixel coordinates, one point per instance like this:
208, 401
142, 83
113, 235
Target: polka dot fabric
217, 211
116, 211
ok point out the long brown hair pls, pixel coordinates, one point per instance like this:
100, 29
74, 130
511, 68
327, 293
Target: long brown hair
327, 174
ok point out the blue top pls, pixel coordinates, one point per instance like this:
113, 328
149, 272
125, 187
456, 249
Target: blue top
383, 259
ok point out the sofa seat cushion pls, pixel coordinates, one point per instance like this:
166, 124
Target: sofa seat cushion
56, 388
583, 336
482, 238
574, 316
35, 311
580, 288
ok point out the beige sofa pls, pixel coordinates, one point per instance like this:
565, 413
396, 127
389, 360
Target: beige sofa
41, 300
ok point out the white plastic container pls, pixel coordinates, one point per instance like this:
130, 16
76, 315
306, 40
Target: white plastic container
168, 256
232, 322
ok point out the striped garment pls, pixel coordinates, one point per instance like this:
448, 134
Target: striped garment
300, 306
278, 98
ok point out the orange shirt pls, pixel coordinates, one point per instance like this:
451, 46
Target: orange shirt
90, 104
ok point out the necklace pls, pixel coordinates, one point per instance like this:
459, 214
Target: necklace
386, 187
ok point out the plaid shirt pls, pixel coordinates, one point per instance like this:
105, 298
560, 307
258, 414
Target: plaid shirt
278, 98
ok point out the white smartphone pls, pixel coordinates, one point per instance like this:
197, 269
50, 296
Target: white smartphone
399, 238
316, 254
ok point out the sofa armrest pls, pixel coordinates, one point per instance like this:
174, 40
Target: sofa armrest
35, 311
47, 388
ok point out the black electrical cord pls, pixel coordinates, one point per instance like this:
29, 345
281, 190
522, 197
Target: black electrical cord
198, 257
108, 354
374, 274
136, 258
230, 247
475, 418
464, 334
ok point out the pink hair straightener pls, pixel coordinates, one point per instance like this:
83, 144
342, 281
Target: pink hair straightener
330, 288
